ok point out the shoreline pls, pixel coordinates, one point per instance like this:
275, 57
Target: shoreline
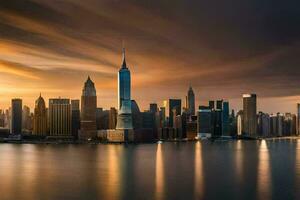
95, 142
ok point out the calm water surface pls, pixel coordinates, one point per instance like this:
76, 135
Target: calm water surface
201, 170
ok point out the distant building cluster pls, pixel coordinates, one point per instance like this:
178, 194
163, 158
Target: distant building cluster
174, 120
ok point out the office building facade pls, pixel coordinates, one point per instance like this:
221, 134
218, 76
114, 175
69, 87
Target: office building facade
88, 128
40, 118
249, 115
16, 116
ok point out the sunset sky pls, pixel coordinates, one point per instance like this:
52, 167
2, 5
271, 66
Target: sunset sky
221, 48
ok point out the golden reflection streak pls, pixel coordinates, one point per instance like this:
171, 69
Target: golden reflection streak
159, 174
29, 172
199, 187
239, 160
264, 176
113, 179
8, 171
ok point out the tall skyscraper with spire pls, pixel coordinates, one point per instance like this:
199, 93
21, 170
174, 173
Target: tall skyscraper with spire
40, 117
124, 120
88, 128
191, 101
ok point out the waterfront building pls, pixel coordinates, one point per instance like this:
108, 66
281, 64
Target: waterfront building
294, 124
249, 115
136, 114
263, 124
40, 123
153, 107
16, 116
124, 121
148, 120
225, 118
280, 121
204, 123
26, 119
174, 110
239, 123
232, 124
211, 104
88, 128
7, 120
60, 118
2, 119
298, 119
112, 121
75, 109
162, 116
190, 102
289, 124
216, 120
102, 119
191, 129
219, 104
273, 125
277, 124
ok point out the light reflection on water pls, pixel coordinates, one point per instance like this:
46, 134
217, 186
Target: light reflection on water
239, 161
201, 170
159, 174
264, 176
198, 172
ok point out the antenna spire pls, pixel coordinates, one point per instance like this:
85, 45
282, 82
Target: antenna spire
124, 58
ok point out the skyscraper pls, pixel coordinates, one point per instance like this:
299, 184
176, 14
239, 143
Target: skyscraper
249, 115
239, 123
298, 119
219, 104
204, 123
124, 121
162, 116
26, 119
191, 101
16, 116
211, 104
40, 117
153, 107
174, 105
263, 124
88, 128
60, 117
75, 117
225, 118
102, 119
112, 118
137, 120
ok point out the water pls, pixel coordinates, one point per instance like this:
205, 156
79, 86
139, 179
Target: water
201, 170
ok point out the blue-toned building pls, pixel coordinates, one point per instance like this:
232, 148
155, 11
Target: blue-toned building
225, 119
124, 120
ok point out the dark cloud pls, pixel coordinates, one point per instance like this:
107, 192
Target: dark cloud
225, 47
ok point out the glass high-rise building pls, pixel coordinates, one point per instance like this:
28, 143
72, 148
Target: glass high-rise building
249, 115
16, 116
75, 104
225, 118
124, 120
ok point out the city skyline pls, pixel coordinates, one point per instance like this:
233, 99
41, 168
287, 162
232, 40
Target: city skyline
46, 46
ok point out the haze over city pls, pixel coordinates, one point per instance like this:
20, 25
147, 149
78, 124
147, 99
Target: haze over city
223, 49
